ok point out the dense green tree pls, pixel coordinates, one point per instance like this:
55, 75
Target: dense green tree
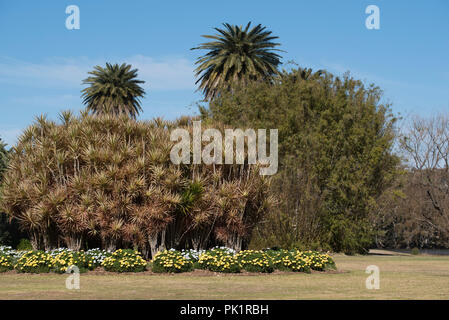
236, 55
335, 147
113, 90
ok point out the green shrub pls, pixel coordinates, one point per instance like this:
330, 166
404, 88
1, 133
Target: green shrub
285, 260
11, 254
192, 254
255, 261
34, 262
415, 251
97, 256
318, 261
219, 260
301, 261
24, 245
124, 260
211, 255
6, 262
66, 258
171, 261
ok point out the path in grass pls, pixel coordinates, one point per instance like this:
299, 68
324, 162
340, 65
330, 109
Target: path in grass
401, 277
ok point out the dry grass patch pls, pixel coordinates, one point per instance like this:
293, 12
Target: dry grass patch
401, 277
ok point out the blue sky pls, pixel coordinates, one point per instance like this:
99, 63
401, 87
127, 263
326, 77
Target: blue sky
42, 63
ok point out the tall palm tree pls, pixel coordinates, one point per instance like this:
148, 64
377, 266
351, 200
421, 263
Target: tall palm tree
235, 56
113, 90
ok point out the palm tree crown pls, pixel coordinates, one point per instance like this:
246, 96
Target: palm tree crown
113, 90
236, 56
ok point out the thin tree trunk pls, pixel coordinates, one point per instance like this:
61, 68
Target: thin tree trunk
153, 244
74, 242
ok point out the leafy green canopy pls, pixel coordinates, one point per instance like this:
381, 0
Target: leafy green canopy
113, 90
236, 55
335, 146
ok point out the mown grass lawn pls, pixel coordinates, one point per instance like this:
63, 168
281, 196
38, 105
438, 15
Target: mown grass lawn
401, 277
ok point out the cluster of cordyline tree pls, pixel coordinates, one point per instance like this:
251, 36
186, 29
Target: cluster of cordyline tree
108, 180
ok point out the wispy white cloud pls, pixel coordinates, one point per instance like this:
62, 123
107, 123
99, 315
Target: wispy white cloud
164, 74
49, 101
339, 68
368, 77
54, 84
168, 73
50, 73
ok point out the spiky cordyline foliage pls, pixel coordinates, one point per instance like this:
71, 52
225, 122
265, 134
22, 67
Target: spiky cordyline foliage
3, 158
110, 178
236, 56
113, 90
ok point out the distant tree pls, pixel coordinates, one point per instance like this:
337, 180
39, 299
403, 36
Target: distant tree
236, 55
425, 144
113, 90
406, 217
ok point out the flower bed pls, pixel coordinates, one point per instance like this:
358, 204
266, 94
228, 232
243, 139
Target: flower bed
67, 258
57, 260
10, 252
301, 261
8, 256
35, 262
218, 259
97, 256
286, 260
171, 261
319, 261
255, 261
6, 263
124, 260
225, 260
